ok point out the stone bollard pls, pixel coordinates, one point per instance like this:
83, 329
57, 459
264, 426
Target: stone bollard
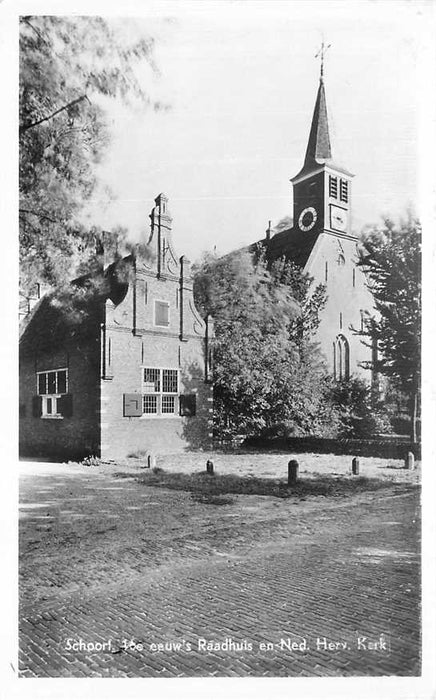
410, 461
209, 466
355, 465
151, 461
292, 472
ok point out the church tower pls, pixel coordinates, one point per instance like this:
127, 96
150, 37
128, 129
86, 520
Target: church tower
322, 189
322, 243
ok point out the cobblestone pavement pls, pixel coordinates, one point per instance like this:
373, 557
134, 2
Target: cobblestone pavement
258, 587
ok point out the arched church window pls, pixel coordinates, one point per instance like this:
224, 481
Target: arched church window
341, 259
341, 358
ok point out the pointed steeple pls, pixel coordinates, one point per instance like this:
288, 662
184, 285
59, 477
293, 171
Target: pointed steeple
319, 148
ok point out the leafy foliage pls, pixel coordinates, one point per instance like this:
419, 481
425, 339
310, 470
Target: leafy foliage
391, 258
360, 416
66, 65
268, 374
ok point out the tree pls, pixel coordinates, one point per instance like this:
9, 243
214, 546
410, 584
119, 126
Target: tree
391, 259
268, 378
310, 302
66, 65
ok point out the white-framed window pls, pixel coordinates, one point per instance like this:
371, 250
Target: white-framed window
160, 391
161, 313
51, 386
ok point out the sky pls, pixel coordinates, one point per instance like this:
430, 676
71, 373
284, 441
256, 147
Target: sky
240, 79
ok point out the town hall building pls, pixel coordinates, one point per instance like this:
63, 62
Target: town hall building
119, 362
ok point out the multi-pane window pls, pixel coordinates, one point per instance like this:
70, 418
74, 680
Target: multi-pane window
168, 404
343, 191
333, 187
149, 404
152, 379
50, 387
160, 389
170, 381
161, 313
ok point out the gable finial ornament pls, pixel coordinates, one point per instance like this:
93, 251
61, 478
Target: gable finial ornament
321, 53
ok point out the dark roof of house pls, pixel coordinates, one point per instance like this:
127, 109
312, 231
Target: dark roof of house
74, 311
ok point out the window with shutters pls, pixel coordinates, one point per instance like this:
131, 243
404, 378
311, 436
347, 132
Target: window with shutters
52, 390
188, 404
333, 187
160, 389
161, 314
343, 191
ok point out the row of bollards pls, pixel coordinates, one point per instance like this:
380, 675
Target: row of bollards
293, 467
409, 463
292, 470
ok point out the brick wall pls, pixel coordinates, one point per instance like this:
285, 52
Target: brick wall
136, 342
68, 437
107, 354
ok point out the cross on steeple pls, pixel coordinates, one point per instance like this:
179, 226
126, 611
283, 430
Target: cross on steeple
322, 52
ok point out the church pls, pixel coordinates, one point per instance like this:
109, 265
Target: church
322, 243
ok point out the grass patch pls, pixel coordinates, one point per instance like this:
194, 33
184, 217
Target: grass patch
223, 484
212, 500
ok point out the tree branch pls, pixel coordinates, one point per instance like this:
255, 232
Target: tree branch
43, 217
37, 32
26, 127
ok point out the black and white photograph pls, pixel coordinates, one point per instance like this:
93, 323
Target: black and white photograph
220, 217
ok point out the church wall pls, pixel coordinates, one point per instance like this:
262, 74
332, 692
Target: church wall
333, 264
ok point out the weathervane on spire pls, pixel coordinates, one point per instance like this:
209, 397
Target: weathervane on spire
322, 52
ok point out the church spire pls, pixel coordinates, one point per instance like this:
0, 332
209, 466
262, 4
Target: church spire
319, 148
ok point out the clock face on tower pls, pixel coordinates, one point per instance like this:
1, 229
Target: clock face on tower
307, 218
338, 218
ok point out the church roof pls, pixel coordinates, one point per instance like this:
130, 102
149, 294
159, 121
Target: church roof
293, 244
